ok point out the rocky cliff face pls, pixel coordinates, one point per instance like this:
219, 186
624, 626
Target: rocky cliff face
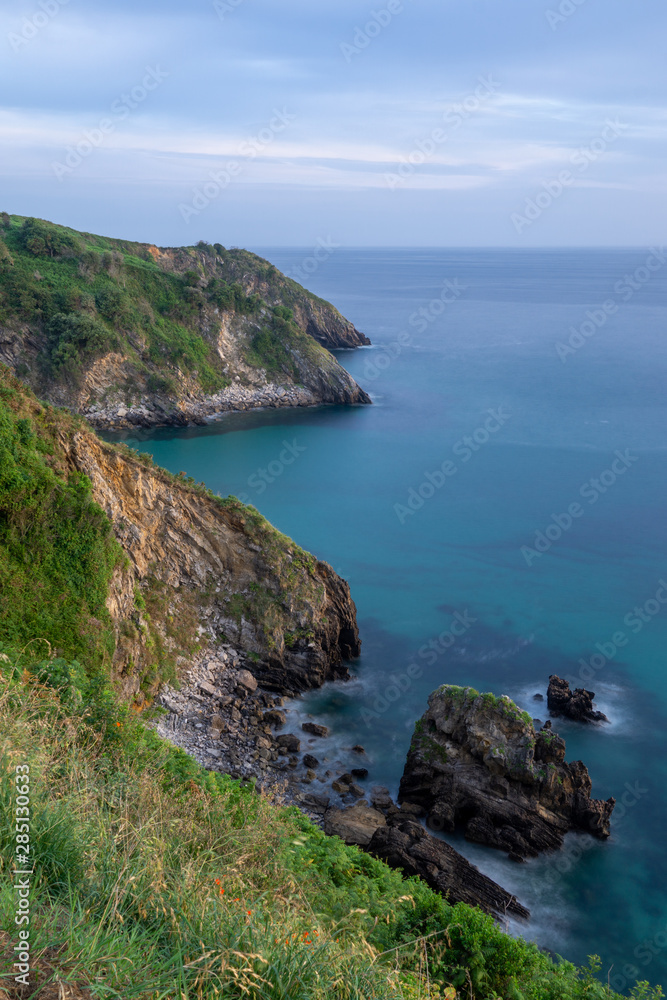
129, 334
202, 571
476, 762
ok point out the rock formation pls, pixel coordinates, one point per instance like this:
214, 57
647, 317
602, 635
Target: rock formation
476, 763
213, 565
577, 704
403, 843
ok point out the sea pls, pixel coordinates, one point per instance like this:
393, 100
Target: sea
499, 513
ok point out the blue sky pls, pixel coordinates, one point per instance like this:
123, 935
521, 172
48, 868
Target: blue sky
404, 122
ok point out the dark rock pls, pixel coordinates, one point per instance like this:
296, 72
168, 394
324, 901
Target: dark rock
310, 761
347, 779
354, 825
314, 802
477, 763
360, 772
314, 729
358, 749
405, 844
340, 787
290, 742
538, 697
356, 790
274, 717
577, 704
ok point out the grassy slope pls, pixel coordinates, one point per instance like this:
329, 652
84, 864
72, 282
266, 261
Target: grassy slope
133, 841
87, 295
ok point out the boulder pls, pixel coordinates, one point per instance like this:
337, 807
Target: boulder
577, 704
290, 742
354, 825
274, 717
314, 729
246, 680
477, 764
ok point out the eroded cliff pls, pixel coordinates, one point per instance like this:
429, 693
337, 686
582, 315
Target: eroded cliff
129, 334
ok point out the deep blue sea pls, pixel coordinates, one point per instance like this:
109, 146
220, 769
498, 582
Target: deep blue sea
499, 513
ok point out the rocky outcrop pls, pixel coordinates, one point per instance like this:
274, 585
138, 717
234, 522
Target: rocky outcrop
202, 570
477, 763
577, 704
405, 844
400, 841
180, 335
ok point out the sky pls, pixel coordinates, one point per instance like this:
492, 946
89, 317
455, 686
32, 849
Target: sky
400, 123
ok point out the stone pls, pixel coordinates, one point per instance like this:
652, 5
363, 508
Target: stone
355, 824
577, 704
208, 688
358, 749
310, 761
356, 790
290, 742
538, 697
274, 717
246, 680
213, 753
477, 763
214, 734
314, 729
345, 778
217, 722
340, 787
360, 772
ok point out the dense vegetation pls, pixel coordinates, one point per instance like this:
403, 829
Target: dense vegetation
154, 878
88, 296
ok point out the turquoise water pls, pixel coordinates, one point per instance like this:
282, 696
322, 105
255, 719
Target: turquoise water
513, 432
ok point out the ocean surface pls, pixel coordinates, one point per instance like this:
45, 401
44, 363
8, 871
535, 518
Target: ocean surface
499, 513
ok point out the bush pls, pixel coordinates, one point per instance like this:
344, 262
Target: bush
75, 337
43, 239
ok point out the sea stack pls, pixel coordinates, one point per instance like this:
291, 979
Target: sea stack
477, 763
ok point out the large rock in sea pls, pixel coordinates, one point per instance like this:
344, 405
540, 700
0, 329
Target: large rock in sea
577, 704
477, 763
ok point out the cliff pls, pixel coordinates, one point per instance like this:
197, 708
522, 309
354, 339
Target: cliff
170, 570
129, 334
477, 763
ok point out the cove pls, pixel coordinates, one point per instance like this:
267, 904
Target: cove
439, 366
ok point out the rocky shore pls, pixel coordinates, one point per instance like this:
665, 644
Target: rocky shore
229, 723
